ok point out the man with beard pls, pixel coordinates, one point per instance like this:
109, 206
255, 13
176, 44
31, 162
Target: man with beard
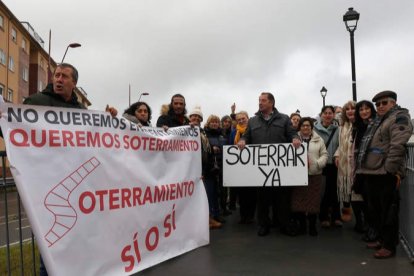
174, 116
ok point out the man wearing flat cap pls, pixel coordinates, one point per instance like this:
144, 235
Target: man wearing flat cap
382, 158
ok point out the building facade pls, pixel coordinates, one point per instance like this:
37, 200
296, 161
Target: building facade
25, 66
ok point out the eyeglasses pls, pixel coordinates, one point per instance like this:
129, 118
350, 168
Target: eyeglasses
379, 103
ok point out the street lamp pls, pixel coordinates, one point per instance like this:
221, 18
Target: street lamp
351, 18
324, 91
142, 94
72, 45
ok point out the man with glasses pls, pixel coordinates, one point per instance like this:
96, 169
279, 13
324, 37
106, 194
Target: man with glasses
382, 158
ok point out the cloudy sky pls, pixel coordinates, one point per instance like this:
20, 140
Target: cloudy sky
217, 52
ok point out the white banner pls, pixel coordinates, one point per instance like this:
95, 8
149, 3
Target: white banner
265, 165
105, 197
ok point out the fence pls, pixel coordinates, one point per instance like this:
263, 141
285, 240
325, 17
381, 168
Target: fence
407, 206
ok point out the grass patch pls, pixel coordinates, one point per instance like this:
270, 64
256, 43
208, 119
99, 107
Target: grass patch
15, 259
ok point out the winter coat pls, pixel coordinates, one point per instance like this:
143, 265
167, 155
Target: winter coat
324, 133
278, 129
216, 138
387, 150
317, 154
170, 119
48, 97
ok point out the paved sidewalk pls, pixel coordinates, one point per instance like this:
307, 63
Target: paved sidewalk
237, 250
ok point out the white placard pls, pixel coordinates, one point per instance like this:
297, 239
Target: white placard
265, 166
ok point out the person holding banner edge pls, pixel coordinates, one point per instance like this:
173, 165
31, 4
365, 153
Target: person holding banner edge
60, 93
269, 126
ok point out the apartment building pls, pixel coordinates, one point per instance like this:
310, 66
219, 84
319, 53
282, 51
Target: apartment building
24, 62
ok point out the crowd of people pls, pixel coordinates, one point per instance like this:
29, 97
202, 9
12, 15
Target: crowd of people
356, 159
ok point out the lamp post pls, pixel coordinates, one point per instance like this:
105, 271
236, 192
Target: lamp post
72, 45
142, 94
324, 91
351, 18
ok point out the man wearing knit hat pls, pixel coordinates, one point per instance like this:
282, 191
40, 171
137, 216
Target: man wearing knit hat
381, 158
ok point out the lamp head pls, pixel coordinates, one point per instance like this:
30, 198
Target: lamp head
351, 18
324, 91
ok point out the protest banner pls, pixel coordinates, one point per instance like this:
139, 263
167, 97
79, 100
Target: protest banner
265, 165
104, 196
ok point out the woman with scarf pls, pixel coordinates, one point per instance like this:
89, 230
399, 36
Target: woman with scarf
247, 195
306, 200
330, 211
344, 159
139, 113
365, 113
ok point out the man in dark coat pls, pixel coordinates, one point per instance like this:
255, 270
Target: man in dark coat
175, 115
59, 93
269, 127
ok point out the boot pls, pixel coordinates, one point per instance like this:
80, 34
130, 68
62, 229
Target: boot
346, 214
214, 224
312, 225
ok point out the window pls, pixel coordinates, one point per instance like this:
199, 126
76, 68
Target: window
11, 63
24, 44
10, 95
2, 57
25, 74
1, 22
14, 34
1, 89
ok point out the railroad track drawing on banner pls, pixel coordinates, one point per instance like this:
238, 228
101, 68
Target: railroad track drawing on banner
57, 201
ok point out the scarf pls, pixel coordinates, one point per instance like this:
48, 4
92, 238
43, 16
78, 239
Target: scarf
369, 134
239, 132
345, 162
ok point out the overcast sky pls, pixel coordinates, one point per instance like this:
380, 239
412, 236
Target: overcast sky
217, 52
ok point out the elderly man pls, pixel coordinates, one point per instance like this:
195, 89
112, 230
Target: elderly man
268, 127
381, 158
175, 114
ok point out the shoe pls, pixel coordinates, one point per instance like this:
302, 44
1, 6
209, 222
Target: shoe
219, 219
374, 245
214, 224
325, 224
346, 214
263, 231
338, 223
384, 254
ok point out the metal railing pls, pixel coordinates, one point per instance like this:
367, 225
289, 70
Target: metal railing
12, 239
407, 205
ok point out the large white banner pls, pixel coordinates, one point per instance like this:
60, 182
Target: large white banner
105, 197
268, 165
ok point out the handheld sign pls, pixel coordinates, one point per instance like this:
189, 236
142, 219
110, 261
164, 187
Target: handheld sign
265, 166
